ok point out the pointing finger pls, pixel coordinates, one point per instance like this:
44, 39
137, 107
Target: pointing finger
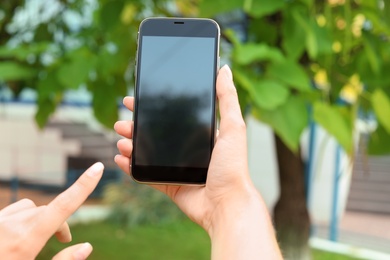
65, 204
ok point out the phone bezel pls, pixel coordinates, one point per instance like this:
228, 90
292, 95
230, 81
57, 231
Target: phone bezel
181, 27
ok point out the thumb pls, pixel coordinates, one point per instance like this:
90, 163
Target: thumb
76, 252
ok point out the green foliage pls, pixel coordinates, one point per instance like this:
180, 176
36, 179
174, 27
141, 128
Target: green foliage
291, 47
339, 46
260, 8
379, 142
135, 204
10, 70
288, 120
96, 55
334, 122
290, 73
381, 104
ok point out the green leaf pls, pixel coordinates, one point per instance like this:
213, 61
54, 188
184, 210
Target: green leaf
42, 33
120, 86
309, 3
288, 120
386, 12
263, 31
260, 8
75, 72
104, 102
333, 121
379, 143
212, 8
111, 14
46, 107
319, 41
14, 71
247, 53
49, 86
232, 37
269, 94
371, 43
111, 63
381, 105
293, 36
290, 73
21, 52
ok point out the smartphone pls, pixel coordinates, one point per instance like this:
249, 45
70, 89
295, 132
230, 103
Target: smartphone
174, 115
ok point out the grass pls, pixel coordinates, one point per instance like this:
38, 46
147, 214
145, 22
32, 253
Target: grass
322, 255
181, 240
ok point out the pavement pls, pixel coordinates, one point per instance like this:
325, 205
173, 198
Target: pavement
361, 229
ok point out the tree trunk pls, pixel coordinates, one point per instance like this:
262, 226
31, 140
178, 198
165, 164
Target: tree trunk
290, 213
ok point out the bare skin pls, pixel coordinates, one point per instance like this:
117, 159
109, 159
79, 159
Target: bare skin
25, 228
228, 207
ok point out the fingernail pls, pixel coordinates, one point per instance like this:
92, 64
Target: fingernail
82, 252
228, 72
95, 170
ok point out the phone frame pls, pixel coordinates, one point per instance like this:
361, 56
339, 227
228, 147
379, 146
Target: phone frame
179, 27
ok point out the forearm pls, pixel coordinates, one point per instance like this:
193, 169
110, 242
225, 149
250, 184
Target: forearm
244, 231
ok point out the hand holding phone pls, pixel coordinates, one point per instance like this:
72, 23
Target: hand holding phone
229, 207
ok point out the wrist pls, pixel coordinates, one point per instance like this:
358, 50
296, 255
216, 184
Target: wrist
241, 228
237, 208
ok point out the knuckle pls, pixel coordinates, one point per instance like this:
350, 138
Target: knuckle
62, 205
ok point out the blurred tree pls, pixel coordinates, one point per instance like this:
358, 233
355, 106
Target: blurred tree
289, 57
57, 45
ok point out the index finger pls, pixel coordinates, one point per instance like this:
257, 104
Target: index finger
65, 204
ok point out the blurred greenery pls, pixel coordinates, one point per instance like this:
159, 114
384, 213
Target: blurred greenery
134, 204
339, 46
179, 240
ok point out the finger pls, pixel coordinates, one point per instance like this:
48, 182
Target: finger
63, 233
17, 207
129, 103
70, 200
229, 107
76, 252
125, 147
123, 162
124, 128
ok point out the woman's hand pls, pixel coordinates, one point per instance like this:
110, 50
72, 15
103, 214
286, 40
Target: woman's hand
228, 207
25, 228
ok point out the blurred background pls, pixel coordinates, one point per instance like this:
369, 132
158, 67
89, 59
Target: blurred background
314, 87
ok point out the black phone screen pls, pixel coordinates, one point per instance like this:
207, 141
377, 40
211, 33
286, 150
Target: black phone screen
175, 105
